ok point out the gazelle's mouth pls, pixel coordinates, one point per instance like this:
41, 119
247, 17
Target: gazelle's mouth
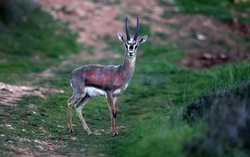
129, 54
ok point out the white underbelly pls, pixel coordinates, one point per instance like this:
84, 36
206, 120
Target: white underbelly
93, 92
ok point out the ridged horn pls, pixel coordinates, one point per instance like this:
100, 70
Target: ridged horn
126, 28
137, 29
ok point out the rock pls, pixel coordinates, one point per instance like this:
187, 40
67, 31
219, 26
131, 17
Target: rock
201, 37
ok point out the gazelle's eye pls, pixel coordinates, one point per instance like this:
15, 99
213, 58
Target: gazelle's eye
136, 46
126, 46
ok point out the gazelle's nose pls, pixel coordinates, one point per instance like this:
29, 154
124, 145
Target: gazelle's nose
130, 47
130, 54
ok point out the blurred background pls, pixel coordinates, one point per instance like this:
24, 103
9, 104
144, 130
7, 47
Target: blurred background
201, 48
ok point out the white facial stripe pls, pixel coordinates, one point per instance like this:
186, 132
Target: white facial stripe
131, 41
131, 47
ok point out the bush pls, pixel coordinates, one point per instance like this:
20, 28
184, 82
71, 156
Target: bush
15, 10
227, 117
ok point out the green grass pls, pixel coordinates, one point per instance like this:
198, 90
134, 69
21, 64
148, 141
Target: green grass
164, 104
224, 10
33, 44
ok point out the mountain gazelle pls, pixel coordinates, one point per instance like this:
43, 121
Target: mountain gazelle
93, 80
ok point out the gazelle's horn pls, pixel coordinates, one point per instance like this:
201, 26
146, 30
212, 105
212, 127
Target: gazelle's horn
126, 28
137, 29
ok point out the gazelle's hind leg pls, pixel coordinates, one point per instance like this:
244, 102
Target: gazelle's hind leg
79, 108
71, 102
77, 95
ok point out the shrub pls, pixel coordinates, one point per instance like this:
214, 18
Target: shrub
15, 10
227, 124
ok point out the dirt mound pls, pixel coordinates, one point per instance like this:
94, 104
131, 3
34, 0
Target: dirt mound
87, 18
207, 42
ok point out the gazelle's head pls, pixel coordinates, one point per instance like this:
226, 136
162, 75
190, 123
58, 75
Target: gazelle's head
131, 44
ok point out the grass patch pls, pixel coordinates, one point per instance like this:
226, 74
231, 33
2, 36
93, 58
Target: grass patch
33, 43
157, 109
224, 10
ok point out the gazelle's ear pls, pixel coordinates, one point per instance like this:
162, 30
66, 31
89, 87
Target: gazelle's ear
120, 37
143, 39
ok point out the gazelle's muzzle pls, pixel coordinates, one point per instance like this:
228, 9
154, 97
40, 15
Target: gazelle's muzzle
130, 54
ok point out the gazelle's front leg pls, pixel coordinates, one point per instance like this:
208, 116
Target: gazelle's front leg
113, 112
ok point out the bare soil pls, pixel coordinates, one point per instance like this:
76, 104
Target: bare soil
41, 148
10, 94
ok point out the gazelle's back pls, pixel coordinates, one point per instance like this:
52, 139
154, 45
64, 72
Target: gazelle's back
82, 76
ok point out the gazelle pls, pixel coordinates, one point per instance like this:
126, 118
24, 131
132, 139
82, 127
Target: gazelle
111, 81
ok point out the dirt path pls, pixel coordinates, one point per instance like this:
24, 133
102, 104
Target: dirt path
10, 94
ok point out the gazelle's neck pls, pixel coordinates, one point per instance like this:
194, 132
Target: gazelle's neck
128, 67
129, 64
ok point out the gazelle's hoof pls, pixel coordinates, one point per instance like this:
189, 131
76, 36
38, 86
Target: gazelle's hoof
89, 132
115, 133
70, 130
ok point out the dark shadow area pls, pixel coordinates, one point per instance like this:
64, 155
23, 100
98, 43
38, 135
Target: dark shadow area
227, 123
